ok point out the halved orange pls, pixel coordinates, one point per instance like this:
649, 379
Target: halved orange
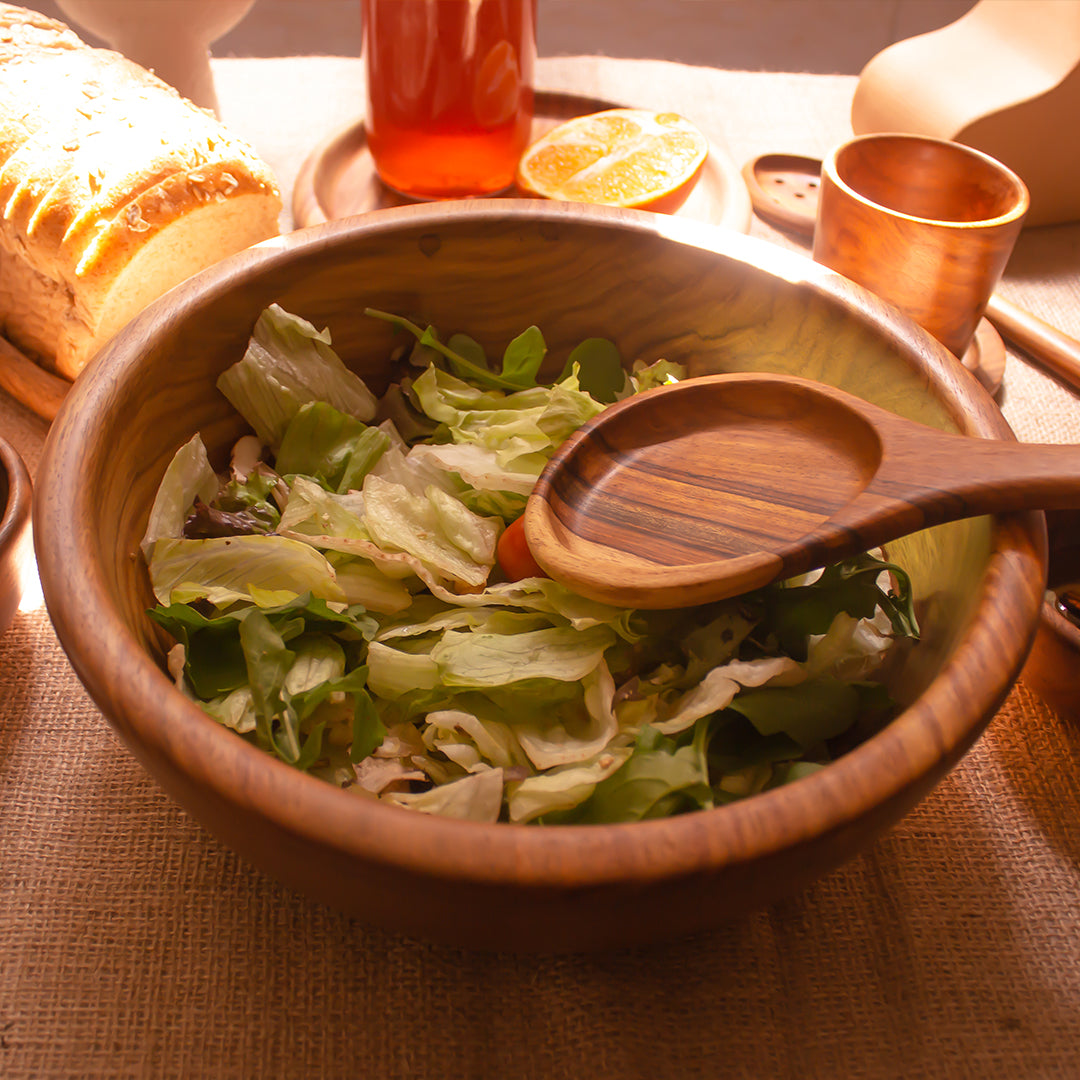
621, 157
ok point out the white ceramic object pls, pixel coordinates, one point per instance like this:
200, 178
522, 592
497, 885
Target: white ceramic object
172, 38
1005, 79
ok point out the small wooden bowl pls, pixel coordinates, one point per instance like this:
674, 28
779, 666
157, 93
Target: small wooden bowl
15, 501
1053, 668
708, 297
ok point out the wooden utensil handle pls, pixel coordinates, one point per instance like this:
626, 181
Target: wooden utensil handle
938, 471
1056, 351
25, 381
928, 477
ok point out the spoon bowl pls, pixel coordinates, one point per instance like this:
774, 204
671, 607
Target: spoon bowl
714, 486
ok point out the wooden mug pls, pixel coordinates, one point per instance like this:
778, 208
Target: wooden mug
926, 224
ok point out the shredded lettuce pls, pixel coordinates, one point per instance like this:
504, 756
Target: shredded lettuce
336, 599
188, 477
288, 364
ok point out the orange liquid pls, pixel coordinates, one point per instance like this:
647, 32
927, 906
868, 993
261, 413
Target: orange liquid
449, 93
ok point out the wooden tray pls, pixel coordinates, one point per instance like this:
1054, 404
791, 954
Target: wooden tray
338, 178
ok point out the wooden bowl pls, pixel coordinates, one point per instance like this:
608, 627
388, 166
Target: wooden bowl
714, 299
1053, 667
15, 501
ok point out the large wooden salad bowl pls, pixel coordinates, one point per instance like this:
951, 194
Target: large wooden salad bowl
658, 287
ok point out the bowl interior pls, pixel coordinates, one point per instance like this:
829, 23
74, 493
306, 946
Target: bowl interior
492, 277
713, 300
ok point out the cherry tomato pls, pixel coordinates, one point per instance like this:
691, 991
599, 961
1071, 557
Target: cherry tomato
514, 555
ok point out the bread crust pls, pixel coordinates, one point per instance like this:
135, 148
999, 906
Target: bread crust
103, 167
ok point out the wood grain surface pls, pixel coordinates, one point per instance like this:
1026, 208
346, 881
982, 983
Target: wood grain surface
338, 178
701, 490
785, 189
28, 382
15, 503
713, 299
924, 223
1053, 667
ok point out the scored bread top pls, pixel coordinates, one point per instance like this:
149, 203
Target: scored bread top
22, 30
120, 236
100, 131
99, 160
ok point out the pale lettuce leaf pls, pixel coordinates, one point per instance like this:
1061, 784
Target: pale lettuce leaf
188, 477
288, 364
472, 742
476, 797
447, 537
394, 672
717, 690
564, 736
560, 790
478, 466
485, 660
235, 568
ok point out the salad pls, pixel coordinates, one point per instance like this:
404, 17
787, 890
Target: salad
353, 594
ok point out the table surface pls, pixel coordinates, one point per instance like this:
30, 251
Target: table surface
133, 944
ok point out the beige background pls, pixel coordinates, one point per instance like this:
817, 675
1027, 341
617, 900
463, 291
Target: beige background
133, 945
826, 36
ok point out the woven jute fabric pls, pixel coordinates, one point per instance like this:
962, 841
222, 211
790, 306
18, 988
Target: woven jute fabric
132, 944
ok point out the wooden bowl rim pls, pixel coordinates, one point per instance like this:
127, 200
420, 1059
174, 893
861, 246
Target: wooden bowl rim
15, 513
936, 729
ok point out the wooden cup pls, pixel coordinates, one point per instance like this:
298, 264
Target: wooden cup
926, 224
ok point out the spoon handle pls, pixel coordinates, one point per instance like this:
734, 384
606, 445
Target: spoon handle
927, 477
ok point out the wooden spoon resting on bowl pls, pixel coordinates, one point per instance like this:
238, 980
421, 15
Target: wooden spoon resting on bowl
715, 486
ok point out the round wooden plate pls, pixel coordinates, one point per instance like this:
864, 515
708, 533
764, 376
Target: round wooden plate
338, 178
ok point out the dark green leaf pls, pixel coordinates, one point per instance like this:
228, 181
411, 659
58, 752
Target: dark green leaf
268, 662
523, 357
809, 713
600, 369
368, 729
462, 366
366, 451
795, 613
472, 351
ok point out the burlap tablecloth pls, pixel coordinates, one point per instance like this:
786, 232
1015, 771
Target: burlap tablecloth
133, 945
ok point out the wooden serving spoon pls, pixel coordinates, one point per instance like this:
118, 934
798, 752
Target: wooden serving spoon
712, 487
784, 191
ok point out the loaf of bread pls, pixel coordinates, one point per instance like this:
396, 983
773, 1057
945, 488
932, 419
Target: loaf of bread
113, 188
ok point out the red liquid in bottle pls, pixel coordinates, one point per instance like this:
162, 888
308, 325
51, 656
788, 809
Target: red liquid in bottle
449, 93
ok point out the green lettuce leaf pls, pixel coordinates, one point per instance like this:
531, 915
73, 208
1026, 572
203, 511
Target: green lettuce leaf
332, 447
288, 364
188, 477
658, 779
522, 428
231, 569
